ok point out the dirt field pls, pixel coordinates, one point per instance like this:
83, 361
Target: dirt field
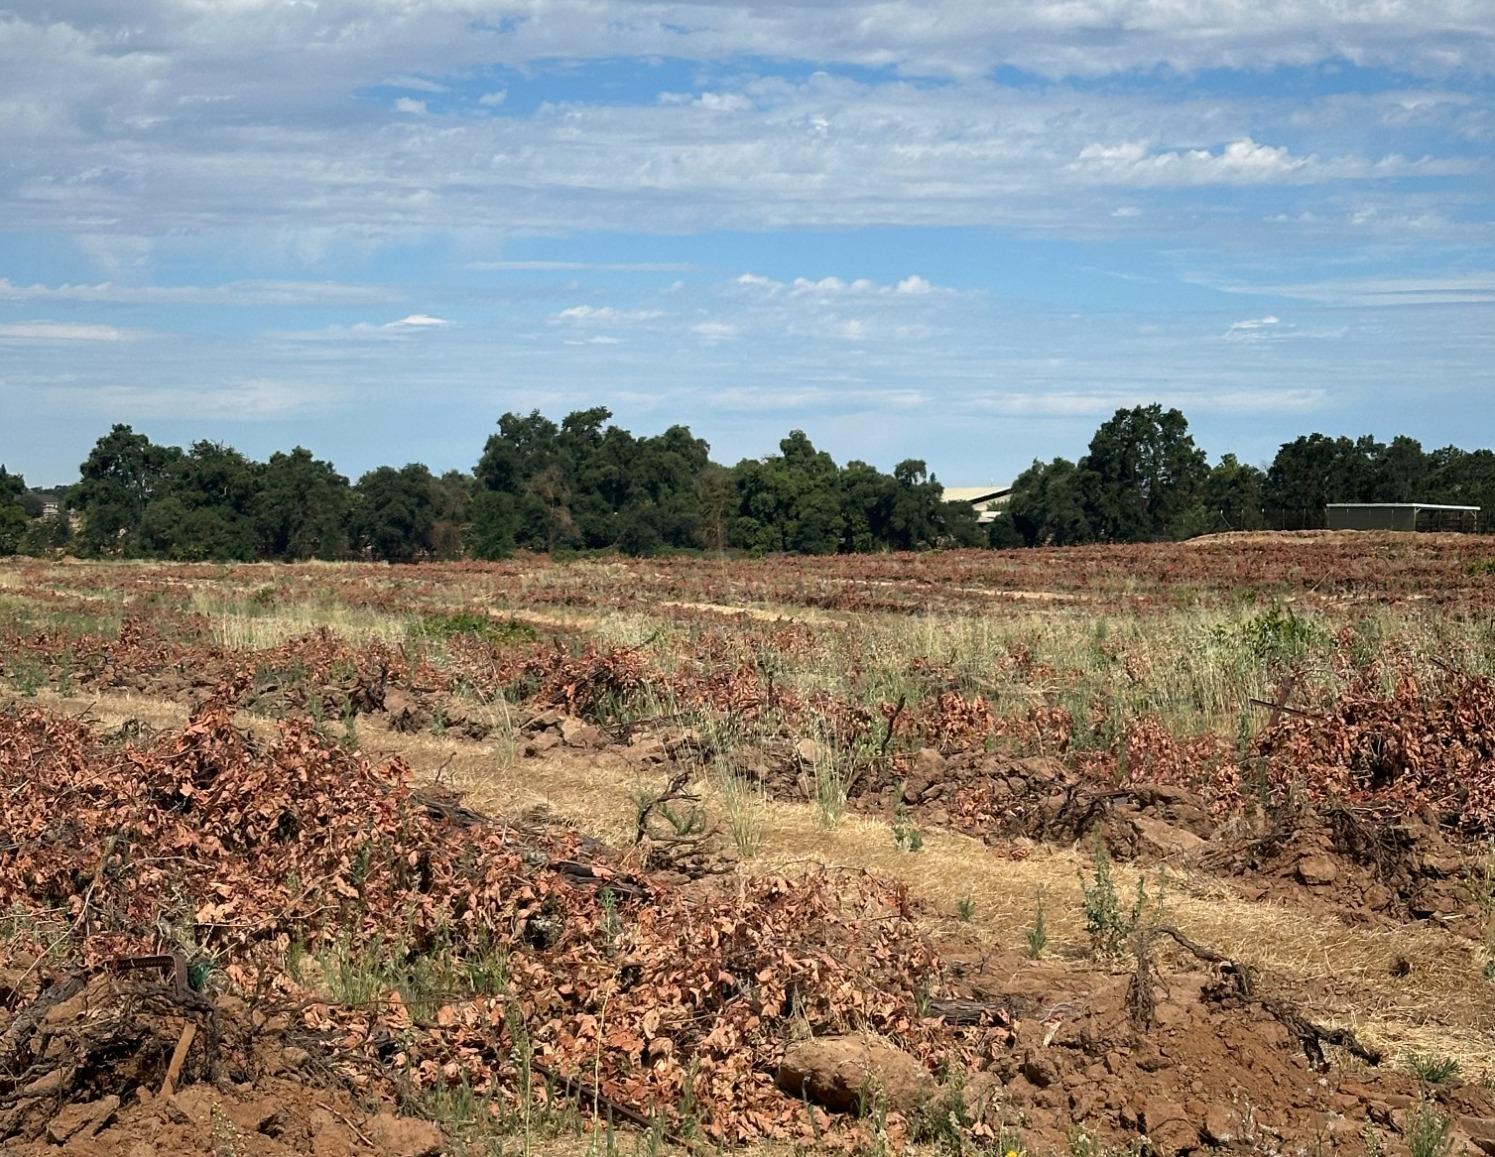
1086, 851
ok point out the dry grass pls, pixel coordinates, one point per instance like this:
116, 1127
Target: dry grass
240, 630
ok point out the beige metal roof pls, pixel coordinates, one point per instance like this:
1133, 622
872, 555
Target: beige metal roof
976, 493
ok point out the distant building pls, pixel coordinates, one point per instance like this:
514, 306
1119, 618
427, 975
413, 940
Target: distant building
988, 500
1400, 516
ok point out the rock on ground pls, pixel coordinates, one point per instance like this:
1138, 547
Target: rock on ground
850, 1074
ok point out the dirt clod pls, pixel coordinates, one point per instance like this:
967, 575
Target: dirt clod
81, 1120
404, 1137
851, 1074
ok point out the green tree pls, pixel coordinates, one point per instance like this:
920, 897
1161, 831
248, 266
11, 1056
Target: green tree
1314, 470
958, 524
13, 520
394, 512
868, 499
1399, 472
201, 509
451, 496
1050, 504
492, 526
117, 481
301, 510
49, 533
1147, 474
790, 501
918, 517
1463, 478
1232, 497
716, 500
526, 459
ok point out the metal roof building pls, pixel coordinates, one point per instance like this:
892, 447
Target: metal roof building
987, 500
1400, 516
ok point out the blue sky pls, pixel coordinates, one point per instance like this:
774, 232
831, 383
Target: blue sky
960, 230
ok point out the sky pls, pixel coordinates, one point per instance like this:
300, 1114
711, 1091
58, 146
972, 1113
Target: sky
959, 230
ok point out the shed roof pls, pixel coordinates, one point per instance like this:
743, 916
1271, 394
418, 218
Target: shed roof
1394, 506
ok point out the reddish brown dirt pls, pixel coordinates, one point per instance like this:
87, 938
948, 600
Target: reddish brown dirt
96, 1068
1213, 1070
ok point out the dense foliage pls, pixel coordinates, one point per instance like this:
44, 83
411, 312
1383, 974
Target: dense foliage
1144, 480
584, 484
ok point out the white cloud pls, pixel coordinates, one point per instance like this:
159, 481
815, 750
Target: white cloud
1102, 403
61, 331
715, 330
602, 315
494, 99
292, 153
832, 287
583, 266
233, 293
1242, 161
1250, 328
1453, 289
251, 400
416, 84
417, 321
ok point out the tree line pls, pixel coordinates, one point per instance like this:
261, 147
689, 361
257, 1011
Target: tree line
1143, 480
582, 484
585, 484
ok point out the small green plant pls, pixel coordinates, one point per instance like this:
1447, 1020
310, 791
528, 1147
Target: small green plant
1038, 933
28, 677
1274, 636
1107, 923
1432, 1069
965, 908
906, 833
744, 818
1427, 1132
224, 1134
611, 924
945, 1119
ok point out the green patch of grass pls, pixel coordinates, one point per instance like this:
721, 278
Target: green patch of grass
425, 981
1432, 1069
478, 626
